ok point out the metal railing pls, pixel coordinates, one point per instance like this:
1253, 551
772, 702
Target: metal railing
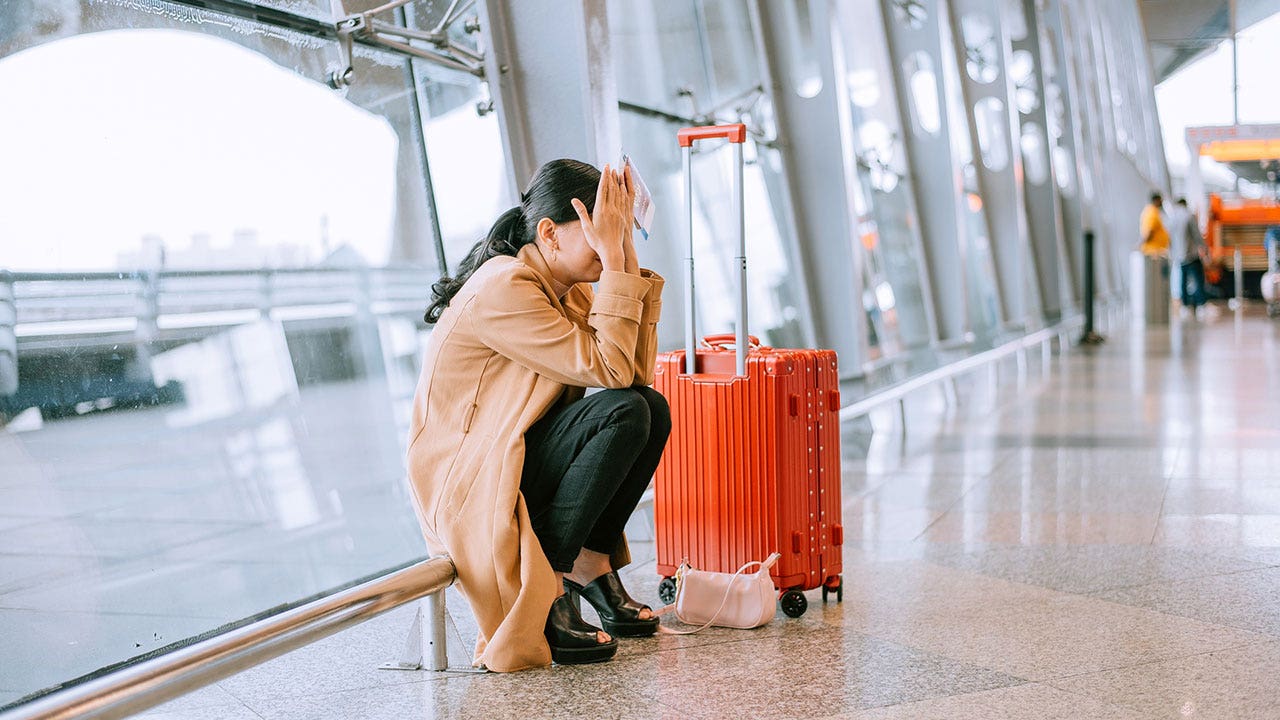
898, 391
146, 295
152, 682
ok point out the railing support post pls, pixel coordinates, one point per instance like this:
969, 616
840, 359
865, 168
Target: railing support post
1237, 302
8, 335
1090, 335
436, 632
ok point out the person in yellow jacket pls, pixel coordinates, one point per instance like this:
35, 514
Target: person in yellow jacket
1155, 238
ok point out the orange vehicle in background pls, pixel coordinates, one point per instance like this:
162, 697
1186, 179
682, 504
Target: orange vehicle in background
1238, 223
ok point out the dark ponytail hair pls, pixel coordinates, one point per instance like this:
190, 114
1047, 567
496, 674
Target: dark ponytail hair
548, 196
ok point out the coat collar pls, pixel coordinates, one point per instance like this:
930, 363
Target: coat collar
530, 254
575, 302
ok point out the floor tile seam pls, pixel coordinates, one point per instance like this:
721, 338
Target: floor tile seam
993, 691
25, 521
712, 643
158, 709
426, 676
168, 519
1219, 624
41, 579
115, 557
653, 698
113, 613
1154, 661
67, 556
191, 564
1100, 698
411, 677
1094, 592
1059, 594
195, 541
1189, 578
1164, 496
1139, 710
943, 514
904, 704
868, 492
901, 643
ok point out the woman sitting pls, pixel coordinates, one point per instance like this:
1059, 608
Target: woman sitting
522, 480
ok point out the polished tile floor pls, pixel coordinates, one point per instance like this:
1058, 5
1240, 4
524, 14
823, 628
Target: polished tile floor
1095, 536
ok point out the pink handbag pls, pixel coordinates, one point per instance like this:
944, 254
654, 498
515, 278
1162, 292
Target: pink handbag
742, 600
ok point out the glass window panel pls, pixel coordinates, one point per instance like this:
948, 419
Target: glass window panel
241, 313
993, 136
806, 76
1035, 159
730, 50
1063, 171
887, 231
464, 145
1022, 71
1015, 20
700, 40
980, 279
911, 13
981, 52
864, 87
926, 111
878, 146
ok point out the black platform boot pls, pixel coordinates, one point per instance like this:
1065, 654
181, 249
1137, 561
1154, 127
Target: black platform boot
619, 613
573, 641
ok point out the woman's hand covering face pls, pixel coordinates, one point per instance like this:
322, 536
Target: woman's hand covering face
609, 227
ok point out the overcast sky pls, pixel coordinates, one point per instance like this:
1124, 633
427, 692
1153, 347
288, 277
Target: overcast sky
1200, 94
114, 135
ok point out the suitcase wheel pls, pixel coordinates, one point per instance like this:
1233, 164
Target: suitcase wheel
794, 603
667, 591
837, 589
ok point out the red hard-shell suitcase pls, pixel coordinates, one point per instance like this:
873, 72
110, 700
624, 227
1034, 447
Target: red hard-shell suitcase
753, 463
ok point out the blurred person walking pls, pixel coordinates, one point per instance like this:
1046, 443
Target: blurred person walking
1186, 255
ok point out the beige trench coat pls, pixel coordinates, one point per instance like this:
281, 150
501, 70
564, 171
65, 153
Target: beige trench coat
503, 353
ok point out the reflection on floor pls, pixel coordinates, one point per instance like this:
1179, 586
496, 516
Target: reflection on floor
1096, 538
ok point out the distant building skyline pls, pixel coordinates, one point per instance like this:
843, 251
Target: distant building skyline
245, 249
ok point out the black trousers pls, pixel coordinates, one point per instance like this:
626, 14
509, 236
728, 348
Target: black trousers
586, 466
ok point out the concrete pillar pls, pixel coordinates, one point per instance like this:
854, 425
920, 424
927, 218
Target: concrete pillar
550, 71
820, 168
8, 336
1060, 103
939, 146
980, 40
876, 132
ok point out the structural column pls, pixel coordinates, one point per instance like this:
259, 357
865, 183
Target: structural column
1053, 265
979, 39
803, 87
549, 66
1080, 105
914, 34
1060, 115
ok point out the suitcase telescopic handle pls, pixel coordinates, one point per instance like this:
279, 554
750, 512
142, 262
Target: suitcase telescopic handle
737, 135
